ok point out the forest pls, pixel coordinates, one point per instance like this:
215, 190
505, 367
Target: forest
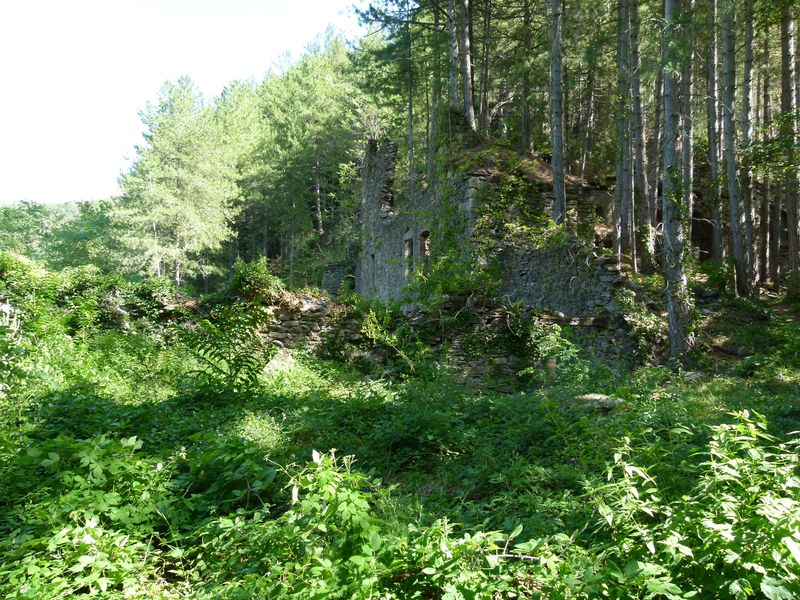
189, 410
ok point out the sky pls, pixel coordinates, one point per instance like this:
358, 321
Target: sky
76, 73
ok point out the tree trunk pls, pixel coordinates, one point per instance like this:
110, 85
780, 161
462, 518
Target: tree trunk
158, 254
765, 257
775, 229
747, 103
641, 195
654, 151
527, 50
557, 112
674, 255
687, 123
740, 254
787, 106
410, 100
452, 79
588, 120
318, 199
466, 66
622, 200
484, 88
712, 110
436, 98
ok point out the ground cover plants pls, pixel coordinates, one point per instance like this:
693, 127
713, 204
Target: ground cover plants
146, 452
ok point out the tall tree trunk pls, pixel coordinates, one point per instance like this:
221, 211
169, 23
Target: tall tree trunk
588, 120
557, 112
687, 122
747, 103
712, 110
641, 195
654, 151
318, 198
740, 254
452, 64
787, 106
775, 230
466, 66
484, 88
527, 49
622, 199
410, 100
158, 254
674, 255
764, 257
436, 98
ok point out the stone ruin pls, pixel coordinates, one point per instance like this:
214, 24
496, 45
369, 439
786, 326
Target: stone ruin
573, 284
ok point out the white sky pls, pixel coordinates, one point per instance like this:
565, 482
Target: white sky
74, 75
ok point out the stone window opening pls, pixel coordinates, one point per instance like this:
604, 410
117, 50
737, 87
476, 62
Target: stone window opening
372, 274
387, 188
387, 197
425, 246
408, 253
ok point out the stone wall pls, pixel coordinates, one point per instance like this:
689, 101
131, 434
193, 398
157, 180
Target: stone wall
392, 228
567, 278
482, 343
309, 321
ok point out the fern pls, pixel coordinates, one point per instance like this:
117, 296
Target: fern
229, 352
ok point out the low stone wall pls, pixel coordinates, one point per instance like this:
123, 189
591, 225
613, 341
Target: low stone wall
480, 339
308, 321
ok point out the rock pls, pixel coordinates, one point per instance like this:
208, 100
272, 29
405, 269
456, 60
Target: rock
601, 402
704, 294
282, 361
693, 376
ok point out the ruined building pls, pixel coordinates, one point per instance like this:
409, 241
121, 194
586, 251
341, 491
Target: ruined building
398, 236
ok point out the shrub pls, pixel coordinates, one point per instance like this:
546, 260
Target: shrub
254, 282
83, 517
735, 534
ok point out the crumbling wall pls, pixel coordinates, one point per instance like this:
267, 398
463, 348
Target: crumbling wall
392, 227
567, 277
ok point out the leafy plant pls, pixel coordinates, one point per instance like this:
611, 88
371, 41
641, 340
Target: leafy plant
229, 352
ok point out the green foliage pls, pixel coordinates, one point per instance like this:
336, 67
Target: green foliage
10, 349
793, 286
254, 282
383, 327
178, 196
648, 330
87, 519
719, 275
733, 535
229, 351
774, 155
115, 481
452, 273
342, 537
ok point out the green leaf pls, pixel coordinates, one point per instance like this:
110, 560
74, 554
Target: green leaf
793, 546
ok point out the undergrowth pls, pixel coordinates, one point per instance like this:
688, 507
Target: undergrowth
160, 460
